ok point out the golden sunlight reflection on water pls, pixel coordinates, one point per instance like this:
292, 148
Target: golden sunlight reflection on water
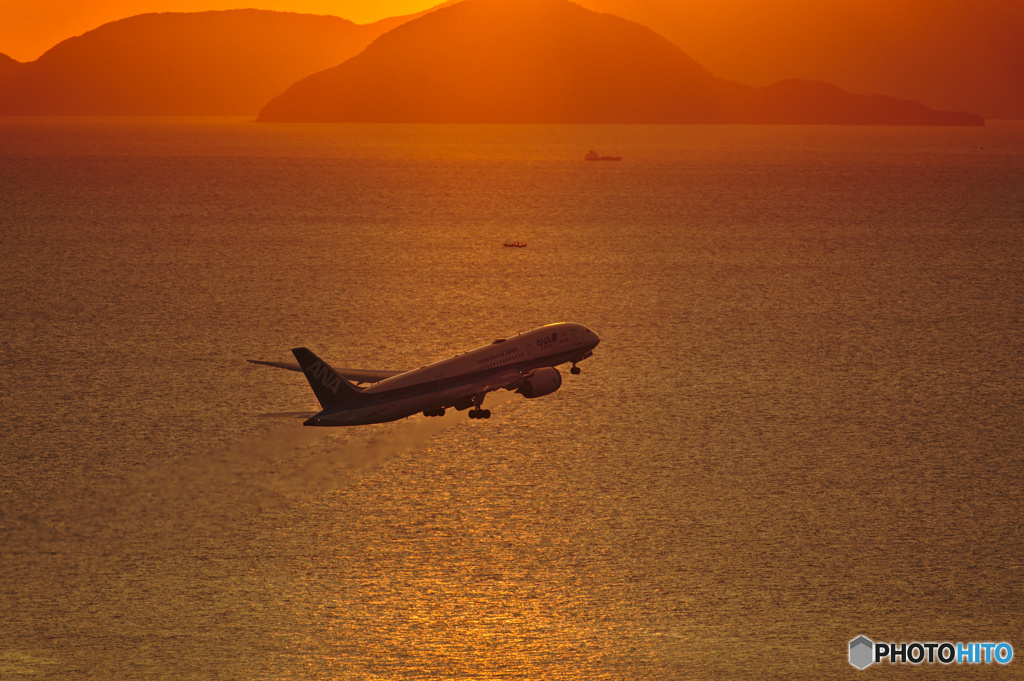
802, 423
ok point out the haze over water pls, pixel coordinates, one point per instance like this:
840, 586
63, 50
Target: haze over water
803, 423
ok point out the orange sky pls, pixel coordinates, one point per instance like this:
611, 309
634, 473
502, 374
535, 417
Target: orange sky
30, 27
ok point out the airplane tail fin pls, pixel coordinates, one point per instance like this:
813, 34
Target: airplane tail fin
330, 387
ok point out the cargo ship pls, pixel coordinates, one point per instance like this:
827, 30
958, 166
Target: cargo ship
594, 156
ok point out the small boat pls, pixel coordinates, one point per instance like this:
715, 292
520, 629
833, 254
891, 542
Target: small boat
594, 156
515, 244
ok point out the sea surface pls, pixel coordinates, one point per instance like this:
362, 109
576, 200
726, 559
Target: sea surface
804, 422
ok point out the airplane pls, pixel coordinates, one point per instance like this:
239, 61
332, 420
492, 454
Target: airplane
524, 363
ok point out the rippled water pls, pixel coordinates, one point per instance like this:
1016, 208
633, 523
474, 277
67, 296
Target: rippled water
803, 423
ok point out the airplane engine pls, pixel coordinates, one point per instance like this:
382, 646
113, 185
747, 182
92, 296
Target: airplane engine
541, 382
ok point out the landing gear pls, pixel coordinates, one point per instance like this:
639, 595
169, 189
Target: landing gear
478, 412
434, 412
575, 369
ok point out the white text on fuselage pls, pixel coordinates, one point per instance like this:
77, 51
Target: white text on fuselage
498, 356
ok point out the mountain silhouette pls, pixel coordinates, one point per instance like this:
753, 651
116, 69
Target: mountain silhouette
197, 63
954, 54
8, 67
514, 61
552, 61
811, 102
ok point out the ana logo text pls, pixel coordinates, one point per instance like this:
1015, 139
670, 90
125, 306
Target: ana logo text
547, 342
327, 378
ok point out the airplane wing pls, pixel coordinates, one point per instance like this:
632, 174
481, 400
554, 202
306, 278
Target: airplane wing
510, 380
354, 375
291, 366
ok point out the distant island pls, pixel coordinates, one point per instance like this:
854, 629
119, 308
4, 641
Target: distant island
552, 61
962, 55
174, 63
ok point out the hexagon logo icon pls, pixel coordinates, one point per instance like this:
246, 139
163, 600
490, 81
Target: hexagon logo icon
862, 652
